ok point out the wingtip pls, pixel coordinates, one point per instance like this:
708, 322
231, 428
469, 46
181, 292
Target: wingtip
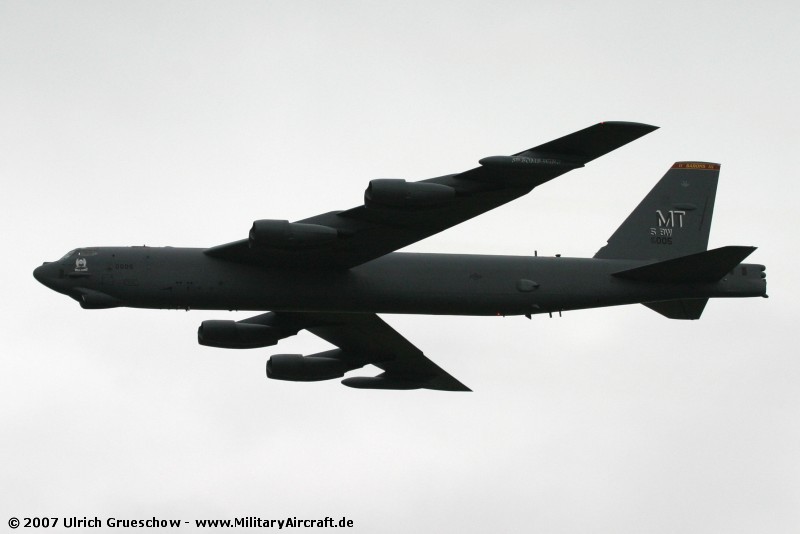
387, 381
631, 125
448, 385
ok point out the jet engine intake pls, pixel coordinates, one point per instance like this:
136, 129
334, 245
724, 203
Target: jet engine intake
233, 335
397, 193
299, 368
286, 235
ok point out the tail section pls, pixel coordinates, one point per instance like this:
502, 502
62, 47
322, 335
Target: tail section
669, 231
700, 268
686, 309
703, 267
673, 220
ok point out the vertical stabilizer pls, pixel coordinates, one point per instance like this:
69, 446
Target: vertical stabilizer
673, 220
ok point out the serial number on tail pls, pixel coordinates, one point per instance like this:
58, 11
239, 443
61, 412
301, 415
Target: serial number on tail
656, 240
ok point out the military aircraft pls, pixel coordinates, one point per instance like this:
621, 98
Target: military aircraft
333, 273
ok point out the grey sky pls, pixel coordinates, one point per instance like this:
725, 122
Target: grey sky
179, 123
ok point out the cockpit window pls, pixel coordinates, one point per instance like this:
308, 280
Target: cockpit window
79, 252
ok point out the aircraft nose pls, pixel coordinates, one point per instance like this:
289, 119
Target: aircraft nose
44, 275
38, 272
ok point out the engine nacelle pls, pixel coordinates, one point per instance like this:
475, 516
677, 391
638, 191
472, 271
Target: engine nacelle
286, 235
396, 193
299, 368
233, 335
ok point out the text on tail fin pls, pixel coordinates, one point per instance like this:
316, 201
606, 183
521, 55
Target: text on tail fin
673, 220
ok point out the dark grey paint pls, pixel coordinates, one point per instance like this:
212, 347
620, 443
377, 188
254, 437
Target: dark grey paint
333, 273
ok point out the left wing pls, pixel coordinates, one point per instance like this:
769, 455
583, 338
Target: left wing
397, 213
361, 339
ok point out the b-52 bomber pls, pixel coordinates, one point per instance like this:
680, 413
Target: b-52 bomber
333, 273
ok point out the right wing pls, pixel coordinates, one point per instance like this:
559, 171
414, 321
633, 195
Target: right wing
397, 213
361, 339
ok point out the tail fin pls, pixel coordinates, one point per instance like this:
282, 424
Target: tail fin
673, 220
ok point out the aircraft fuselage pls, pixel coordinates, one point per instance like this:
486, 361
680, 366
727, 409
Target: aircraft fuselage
333, 273
409, 283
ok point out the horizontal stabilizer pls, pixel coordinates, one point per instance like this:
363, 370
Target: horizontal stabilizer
703, 267
679, 309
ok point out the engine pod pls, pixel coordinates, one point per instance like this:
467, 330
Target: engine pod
397, 193
299, 368
286, 235
233, 335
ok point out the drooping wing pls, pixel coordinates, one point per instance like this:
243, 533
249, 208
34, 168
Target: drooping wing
371, 230
367, 339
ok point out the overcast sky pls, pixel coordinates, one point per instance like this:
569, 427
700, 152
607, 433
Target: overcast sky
179, 123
